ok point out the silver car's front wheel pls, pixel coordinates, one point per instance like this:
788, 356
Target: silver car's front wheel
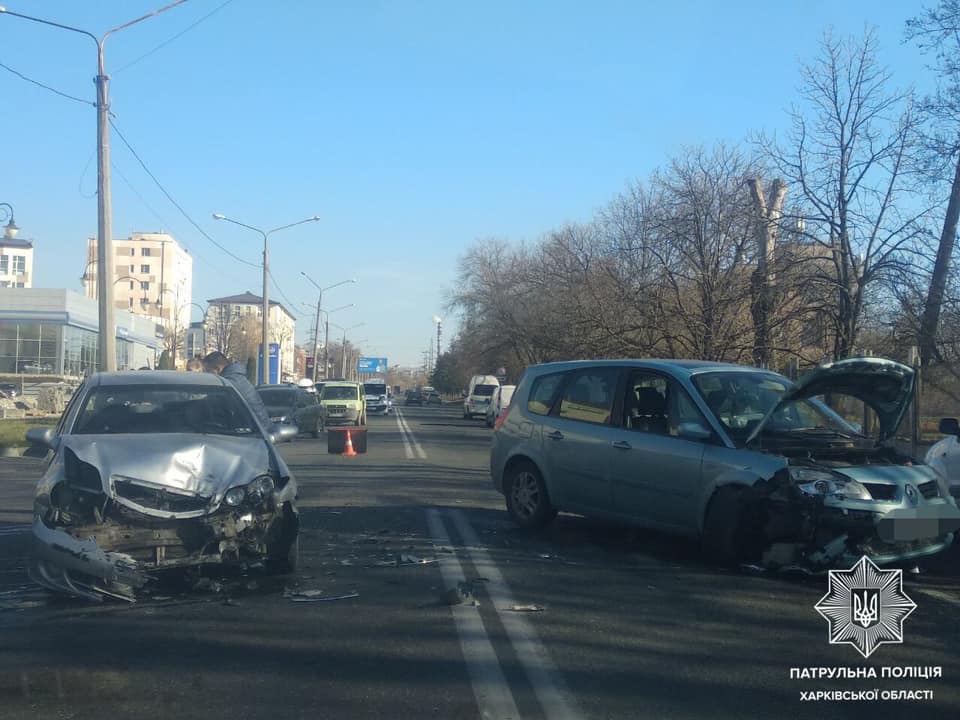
527, 499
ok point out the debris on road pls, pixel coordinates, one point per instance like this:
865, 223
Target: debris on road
307, 596
526, 608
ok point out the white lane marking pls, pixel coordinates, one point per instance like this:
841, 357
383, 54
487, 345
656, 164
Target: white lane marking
15, 529
494, 699
554, 696
403, 436
413, 440
938, 594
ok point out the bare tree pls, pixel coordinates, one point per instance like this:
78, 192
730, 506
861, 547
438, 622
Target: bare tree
849, 161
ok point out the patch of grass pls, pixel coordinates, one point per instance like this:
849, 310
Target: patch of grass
13, 432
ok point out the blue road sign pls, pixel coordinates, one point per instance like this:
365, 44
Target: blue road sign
372, 365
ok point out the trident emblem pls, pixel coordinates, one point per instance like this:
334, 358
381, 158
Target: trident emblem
866, 607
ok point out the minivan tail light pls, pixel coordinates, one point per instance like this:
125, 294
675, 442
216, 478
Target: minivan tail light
500, 418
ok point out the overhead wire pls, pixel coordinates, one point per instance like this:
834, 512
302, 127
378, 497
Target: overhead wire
175, 37
173, 202
46, 87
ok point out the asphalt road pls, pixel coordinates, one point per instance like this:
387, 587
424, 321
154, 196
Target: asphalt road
586, 620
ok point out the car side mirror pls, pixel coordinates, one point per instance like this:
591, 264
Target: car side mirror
694, 431
42, 437
949, 426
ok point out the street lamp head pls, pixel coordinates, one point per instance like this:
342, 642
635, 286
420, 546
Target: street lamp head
11, 230
218, 216
437, 319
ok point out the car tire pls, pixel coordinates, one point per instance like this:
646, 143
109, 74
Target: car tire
317, 428
287, 557
528, 502
722, 541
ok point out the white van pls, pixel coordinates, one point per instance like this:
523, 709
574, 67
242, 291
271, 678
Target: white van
478, 395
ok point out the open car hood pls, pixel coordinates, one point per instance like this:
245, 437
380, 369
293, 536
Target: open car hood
885, 386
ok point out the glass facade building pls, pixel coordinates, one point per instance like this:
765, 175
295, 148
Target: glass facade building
54, 332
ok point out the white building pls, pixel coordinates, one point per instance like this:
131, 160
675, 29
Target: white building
225, 315
152, 276
16, 262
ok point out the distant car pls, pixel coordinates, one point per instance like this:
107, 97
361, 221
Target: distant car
498, 403
343, 403
433, 397
148, 472
292, 405
414, 397
754, 465
479, 394
32, 366
9, 390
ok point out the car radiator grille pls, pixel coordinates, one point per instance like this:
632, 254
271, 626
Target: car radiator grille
929, 489
159, 498
880, 491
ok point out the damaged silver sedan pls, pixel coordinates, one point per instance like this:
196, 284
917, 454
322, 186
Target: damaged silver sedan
155, 471
762, 470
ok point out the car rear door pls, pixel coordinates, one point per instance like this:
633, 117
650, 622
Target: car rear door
656, 460
575, 440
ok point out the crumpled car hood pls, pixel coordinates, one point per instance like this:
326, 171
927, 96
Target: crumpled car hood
207, 465
884, 385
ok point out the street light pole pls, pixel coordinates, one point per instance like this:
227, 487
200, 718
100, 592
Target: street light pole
107, 335
316, 329
265, 334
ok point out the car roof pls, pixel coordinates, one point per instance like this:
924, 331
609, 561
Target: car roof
345, 383
677, 367
156, 377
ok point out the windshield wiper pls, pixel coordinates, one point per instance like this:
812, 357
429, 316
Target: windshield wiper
812, 430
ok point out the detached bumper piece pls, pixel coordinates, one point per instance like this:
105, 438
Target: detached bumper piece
118, 556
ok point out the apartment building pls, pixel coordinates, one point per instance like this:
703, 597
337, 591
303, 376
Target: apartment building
16, 262
152, 276
233, 325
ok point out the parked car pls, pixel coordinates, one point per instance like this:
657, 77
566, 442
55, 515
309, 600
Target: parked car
754, 465
499, 402
34, 367
152, 471
413, 397
343, 403
433, 397
293, 406
478, 395
9, 390
944, 455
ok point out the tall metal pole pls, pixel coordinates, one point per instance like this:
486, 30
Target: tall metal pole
107, 335
316, 337
264, 330
326, 347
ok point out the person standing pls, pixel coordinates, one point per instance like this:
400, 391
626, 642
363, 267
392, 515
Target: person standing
236, 374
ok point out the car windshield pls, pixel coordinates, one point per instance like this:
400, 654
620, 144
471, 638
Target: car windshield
137, 409
374, 389
484, 390
339, 392
740, 400
277, 397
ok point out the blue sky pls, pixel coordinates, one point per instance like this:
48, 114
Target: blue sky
411, 128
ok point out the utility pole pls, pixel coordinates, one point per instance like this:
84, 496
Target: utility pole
316, 339
107, 330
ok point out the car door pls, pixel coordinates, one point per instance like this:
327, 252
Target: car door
657, 449
576, 443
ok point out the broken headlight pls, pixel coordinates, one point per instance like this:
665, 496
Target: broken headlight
257, 491
818, 482
234, 496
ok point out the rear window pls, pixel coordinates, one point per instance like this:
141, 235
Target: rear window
543, 393
277, 396
339, 392
484, 390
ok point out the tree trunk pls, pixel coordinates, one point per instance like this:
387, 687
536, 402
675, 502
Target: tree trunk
761, 282
938, 280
